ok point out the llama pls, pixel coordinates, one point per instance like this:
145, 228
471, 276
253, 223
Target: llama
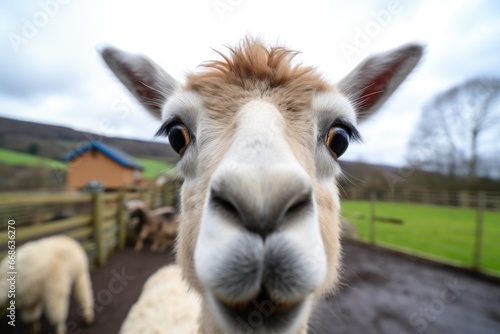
49, 270
161, 223
259, 138
167, 231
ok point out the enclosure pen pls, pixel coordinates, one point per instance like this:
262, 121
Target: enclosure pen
97, 220
433, 225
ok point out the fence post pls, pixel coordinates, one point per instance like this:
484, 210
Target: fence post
478, 241
165, 199
373, 200
97, 218
464, 199
143, 195
122, 220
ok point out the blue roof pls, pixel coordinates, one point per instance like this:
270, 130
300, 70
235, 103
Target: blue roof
115, 154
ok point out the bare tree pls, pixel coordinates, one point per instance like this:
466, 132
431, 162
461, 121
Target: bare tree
459, 131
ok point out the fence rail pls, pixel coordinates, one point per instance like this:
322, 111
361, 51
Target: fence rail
464, 198
461, 229
97, 220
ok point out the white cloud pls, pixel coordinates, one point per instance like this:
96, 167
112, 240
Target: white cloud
60, 72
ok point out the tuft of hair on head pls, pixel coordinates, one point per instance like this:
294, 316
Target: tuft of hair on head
252, 60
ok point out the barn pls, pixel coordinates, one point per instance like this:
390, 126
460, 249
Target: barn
98, 162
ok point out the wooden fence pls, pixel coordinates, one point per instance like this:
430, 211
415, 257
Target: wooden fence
465, 236
98, 220
463, 198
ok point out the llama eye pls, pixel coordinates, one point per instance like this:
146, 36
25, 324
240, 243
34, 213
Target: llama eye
179, 137
337, 141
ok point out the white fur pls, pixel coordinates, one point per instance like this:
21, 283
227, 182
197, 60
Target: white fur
262, 162
165, 306
187, 106
48, 271
327, 107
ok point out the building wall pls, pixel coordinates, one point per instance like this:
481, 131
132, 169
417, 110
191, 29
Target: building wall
93, 165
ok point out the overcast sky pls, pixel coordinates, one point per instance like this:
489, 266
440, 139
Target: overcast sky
50, 71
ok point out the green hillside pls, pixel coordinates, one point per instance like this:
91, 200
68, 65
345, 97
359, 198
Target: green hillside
13, 158
154, 167
53, 141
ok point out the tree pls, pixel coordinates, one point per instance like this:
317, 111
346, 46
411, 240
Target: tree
458, 132
33, 149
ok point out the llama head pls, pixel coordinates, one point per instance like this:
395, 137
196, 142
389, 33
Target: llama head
259, 138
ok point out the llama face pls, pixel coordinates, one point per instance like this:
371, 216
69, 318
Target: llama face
259, 239
260, 139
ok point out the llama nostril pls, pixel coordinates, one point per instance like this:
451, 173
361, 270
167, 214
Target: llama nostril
299, 205
262, 228
272, 203
223, 205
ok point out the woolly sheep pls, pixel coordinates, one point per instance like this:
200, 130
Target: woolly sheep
166, 305
48, 270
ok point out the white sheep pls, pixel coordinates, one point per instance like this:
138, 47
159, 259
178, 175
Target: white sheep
48, 270
166, 305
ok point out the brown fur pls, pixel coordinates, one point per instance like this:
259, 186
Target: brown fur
254, 71
162, 229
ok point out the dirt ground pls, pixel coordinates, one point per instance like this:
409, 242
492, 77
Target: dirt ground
382, 292
388, 292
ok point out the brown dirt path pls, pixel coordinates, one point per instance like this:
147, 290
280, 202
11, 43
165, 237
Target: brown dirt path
382, 292
388, 292
116, 288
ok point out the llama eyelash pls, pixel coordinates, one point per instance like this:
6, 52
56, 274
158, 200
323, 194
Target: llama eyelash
353, 132
163, 130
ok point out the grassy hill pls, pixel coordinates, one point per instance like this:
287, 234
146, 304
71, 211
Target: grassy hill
30, 153
154, 167
13, 158
53, 142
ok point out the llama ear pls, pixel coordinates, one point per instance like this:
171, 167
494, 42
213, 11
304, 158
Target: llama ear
143, 78
375, 79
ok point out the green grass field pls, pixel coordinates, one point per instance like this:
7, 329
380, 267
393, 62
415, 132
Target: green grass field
437, 231
154, 167
13, 158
